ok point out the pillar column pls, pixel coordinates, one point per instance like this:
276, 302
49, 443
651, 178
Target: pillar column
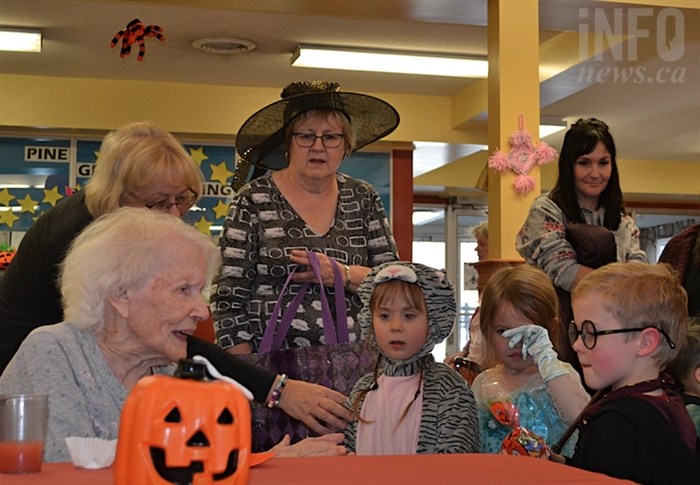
513, 89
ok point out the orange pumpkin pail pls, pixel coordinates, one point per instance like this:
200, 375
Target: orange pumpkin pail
184, 429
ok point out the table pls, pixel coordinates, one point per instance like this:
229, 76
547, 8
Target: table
366, 470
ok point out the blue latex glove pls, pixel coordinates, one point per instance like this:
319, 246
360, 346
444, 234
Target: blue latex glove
536, 343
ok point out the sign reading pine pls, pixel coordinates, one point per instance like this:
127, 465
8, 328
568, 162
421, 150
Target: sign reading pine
46, 154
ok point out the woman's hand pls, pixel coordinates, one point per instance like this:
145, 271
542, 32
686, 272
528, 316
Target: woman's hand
318, 407
357, 273
326, 264
328, 445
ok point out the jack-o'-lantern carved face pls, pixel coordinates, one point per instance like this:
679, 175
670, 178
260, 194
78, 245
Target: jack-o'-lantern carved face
184, 431
5, 259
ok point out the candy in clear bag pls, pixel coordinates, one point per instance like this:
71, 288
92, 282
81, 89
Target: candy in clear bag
520, 441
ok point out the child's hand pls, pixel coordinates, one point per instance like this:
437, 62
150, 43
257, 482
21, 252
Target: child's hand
327, 445
535, 339
557, 458
536, 343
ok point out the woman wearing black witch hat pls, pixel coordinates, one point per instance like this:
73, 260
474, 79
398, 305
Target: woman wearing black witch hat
302, 203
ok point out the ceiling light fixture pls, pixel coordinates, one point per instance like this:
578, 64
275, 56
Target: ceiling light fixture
389, 61
20, 40
223, 45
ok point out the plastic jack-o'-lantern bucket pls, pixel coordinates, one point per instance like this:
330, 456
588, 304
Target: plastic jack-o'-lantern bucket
184, 429
6, 259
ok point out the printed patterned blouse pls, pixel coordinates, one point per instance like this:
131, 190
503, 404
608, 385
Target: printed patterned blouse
260, 231
542, 240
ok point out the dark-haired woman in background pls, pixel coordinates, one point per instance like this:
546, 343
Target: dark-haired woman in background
587, 192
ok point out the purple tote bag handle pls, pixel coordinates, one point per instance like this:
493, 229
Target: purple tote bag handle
334, 332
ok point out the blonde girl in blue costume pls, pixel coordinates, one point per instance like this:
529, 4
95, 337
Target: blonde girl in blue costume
410, 404
519, 315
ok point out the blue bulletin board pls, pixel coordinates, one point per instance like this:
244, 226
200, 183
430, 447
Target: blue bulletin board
34, 176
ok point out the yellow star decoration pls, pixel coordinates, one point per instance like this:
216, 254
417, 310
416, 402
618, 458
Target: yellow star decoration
220, 209
28, 204
8, 217
198, 155
52, 196
220, 173
203, 226
6, 197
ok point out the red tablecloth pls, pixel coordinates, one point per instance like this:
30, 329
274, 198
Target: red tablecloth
365, 470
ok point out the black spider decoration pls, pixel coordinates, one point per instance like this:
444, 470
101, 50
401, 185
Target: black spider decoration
136, 32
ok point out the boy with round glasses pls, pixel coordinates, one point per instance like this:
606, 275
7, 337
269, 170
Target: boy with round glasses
627, 320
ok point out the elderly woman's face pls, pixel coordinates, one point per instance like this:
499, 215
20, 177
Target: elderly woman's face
318, 160
167, 308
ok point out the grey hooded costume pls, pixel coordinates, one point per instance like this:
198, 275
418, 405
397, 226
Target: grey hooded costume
448, 421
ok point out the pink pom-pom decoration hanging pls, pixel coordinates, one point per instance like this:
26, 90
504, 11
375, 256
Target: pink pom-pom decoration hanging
522, 156
499, 161
523, 184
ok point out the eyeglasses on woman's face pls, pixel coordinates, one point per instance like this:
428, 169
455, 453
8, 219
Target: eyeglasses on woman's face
589, 335
329, 140
183, 202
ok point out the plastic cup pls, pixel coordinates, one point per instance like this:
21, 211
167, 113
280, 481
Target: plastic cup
23, 422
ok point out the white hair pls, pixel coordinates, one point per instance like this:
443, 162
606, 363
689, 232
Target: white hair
120, 251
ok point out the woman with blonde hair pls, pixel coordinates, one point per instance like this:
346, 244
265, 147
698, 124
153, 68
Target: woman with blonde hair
140, 165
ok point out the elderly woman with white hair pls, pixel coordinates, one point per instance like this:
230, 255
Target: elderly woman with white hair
140, 165
132, 293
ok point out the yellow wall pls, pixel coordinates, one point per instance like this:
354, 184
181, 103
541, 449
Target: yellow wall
77, 103
95, 104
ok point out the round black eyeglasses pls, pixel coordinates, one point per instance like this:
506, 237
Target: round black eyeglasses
329, 140
589, 335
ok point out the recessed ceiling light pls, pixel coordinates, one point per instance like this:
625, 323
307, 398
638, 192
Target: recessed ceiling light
223, 45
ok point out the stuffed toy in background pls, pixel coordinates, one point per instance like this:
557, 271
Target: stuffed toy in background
136, 33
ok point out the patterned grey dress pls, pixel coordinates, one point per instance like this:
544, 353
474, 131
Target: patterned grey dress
260, 231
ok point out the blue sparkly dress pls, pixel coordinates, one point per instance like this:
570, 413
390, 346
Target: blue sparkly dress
536, 410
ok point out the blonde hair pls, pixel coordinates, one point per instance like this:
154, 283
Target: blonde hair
120, 251
481, 230
135, 156
642, 295
684, 364
337, 116
529, 291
